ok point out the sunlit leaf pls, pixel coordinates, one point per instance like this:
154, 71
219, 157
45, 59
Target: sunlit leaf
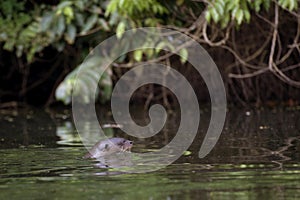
63, 92
219, 8
187, 153
292, 4
230, 5
208, 16
160, 46
247, 15
215, 15
68, 12
239, 16
225, 20
149, 52
120, 29
183, 55
138, 55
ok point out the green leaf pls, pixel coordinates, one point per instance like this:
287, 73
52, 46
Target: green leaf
64, 4
138, 55
292, 4
9, 45
215, 15
239, 16
90, 23
70, 34
104, 24
234, 11
68, 12
149, 52
88, 80
120, 29
284, 3
266, 4
60, 25
183, 55
63, 92
187, 153
121, 3
208, 16
231, 5
247, 15
219, 8
111, 7
79, 19
179, 2
160, 46
46, 21
225, 20
79, 4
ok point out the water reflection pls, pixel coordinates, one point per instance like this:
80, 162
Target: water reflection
67, 134
256, 157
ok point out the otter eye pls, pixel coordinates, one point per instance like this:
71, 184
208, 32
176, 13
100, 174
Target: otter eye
124, 141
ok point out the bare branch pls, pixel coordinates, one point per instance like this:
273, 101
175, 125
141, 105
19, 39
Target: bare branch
248, 75
213, 44
272, 66
273, 45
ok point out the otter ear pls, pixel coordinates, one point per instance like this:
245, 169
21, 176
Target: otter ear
106, 146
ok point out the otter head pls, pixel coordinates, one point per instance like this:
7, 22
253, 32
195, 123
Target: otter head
125, 145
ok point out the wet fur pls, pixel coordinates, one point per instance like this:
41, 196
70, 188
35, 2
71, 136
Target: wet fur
109, 146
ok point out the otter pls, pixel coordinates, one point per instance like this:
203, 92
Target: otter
109, 146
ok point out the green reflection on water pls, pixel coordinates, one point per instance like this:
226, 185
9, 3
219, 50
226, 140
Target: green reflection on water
257, 157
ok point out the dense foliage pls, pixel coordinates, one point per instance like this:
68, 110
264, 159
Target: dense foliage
27, 28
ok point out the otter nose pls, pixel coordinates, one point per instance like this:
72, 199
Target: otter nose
130, 142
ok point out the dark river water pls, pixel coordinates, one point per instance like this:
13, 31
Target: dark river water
256, 157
